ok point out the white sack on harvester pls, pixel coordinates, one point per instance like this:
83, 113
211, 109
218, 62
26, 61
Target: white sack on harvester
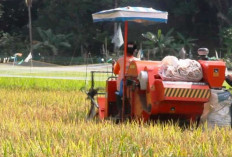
173, 69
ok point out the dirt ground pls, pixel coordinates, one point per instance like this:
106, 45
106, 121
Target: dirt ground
36, 65
26, 69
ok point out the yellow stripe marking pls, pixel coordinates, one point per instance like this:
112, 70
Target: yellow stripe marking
184, 93
204, 94
201, 93
208, 94
181, 91
177, 90
165, 91
193, 93
173, 92
168, 92
189, 92
197, 92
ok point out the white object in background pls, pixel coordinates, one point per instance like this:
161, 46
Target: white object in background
118, 38
182, 53
226, 73
28, 57
140, 54
143, 79
216, 54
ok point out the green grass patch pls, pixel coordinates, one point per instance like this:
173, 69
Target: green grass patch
44, 73
227, 86
56, 74
46, 84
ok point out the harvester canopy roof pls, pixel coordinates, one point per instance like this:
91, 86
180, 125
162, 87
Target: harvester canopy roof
135, 14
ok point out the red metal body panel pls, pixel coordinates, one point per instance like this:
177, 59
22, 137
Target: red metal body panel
136, 67
103, 102
214, 72
179, 98
172, 99
111, 88
178, 107
144, 105
102, 107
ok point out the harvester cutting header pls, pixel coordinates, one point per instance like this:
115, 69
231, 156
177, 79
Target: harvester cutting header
167, 89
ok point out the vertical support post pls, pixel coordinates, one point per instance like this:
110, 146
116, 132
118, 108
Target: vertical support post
115, 26
124, 69
92, 79
29, 5
30, 28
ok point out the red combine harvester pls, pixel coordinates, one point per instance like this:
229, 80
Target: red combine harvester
149, 97
146, 95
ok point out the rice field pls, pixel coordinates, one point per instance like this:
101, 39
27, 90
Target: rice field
44, 117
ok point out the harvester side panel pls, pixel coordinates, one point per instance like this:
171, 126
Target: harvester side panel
170, 98
138, 102
136, 67
107, 103
186, 91
102, 107
181, 108
213, 72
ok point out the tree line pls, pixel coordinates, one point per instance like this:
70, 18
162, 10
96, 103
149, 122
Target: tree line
64, 28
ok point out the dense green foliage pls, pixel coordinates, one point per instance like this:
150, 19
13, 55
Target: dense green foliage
70, 31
